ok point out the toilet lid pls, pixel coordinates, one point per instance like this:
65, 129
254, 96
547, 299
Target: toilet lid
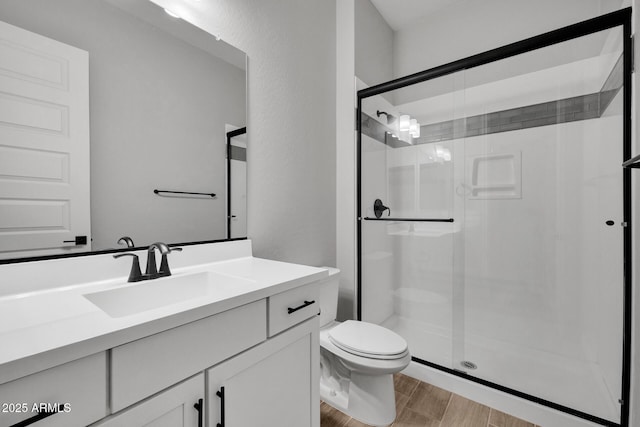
368, 340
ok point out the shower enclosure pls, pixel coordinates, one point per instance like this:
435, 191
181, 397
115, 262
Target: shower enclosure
494, 216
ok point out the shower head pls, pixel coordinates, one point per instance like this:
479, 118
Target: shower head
390, 117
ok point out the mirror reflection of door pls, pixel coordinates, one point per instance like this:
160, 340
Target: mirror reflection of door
44, 146
236, 182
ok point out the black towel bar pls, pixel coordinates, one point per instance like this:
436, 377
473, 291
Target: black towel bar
184, 192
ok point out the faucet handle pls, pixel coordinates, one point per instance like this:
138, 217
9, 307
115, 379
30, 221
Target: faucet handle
164, 263
135, 275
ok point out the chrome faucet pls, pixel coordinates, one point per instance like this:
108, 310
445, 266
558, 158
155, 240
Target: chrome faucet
152, 271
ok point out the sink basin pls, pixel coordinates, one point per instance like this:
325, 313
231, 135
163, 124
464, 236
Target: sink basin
148, 295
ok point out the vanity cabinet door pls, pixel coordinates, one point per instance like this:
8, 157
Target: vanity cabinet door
175, 407
272, 385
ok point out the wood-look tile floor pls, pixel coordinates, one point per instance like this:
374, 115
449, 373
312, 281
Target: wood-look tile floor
419, 404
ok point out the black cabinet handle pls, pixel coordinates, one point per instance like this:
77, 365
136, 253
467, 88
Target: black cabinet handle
220, 394
198, 407
39, 416
306, 304
78, 240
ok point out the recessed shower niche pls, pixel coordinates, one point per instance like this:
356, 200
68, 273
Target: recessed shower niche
496, 176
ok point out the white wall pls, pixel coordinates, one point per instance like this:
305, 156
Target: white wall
345, 157
291, 45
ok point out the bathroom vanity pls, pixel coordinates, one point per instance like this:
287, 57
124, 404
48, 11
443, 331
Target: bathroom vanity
227, 340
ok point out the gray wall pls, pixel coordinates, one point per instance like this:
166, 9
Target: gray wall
158, 109
373, 44
291, 45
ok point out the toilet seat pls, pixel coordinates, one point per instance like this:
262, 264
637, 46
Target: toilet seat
368, 340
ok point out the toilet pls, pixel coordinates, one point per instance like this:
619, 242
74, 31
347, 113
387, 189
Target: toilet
357, 361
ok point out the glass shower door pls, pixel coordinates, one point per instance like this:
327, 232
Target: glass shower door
542, 254
406, 221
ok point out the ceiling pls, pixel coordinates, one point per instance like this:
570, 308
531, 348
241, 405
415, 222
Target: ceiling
401, 13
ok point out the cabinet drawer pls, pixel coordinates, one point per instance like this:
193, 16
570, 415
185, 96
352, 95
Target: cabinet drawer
180, 406
289, 308
149, 365
79, 386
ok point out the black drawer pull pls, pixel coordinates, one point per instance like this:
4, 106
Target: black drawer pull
306, 304
39, 416
220, 394
198, 407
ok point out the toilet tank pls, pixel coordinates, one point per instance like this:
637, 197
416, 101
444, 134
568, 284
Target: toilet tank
328, 296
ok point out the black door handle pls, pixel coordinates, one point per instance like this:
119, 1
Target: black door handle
79, 240
198, 406
220, 394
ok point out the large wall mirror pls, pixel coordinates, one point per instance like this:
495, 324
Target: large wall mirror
116, 119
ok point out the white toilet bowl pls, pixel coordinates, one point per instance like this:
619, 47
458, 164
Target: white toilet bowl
358, 360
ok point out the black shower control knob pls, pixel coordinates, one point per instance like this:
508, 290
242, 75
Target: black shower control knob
379, 208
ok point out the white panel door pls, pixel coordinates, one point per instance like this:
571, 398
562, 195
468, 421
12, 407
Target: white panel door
44, 145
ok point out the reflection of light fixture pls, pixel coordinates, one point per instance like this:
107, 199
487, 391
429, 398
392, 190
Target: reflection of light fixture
405, 122
414, 128
409, 126
172, 14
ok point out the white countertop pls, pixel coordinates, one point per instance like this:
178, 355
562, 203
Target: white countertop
45, 328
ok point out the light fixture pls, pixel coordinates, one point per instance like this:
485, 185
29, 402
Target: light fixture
171, 14
405, 123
